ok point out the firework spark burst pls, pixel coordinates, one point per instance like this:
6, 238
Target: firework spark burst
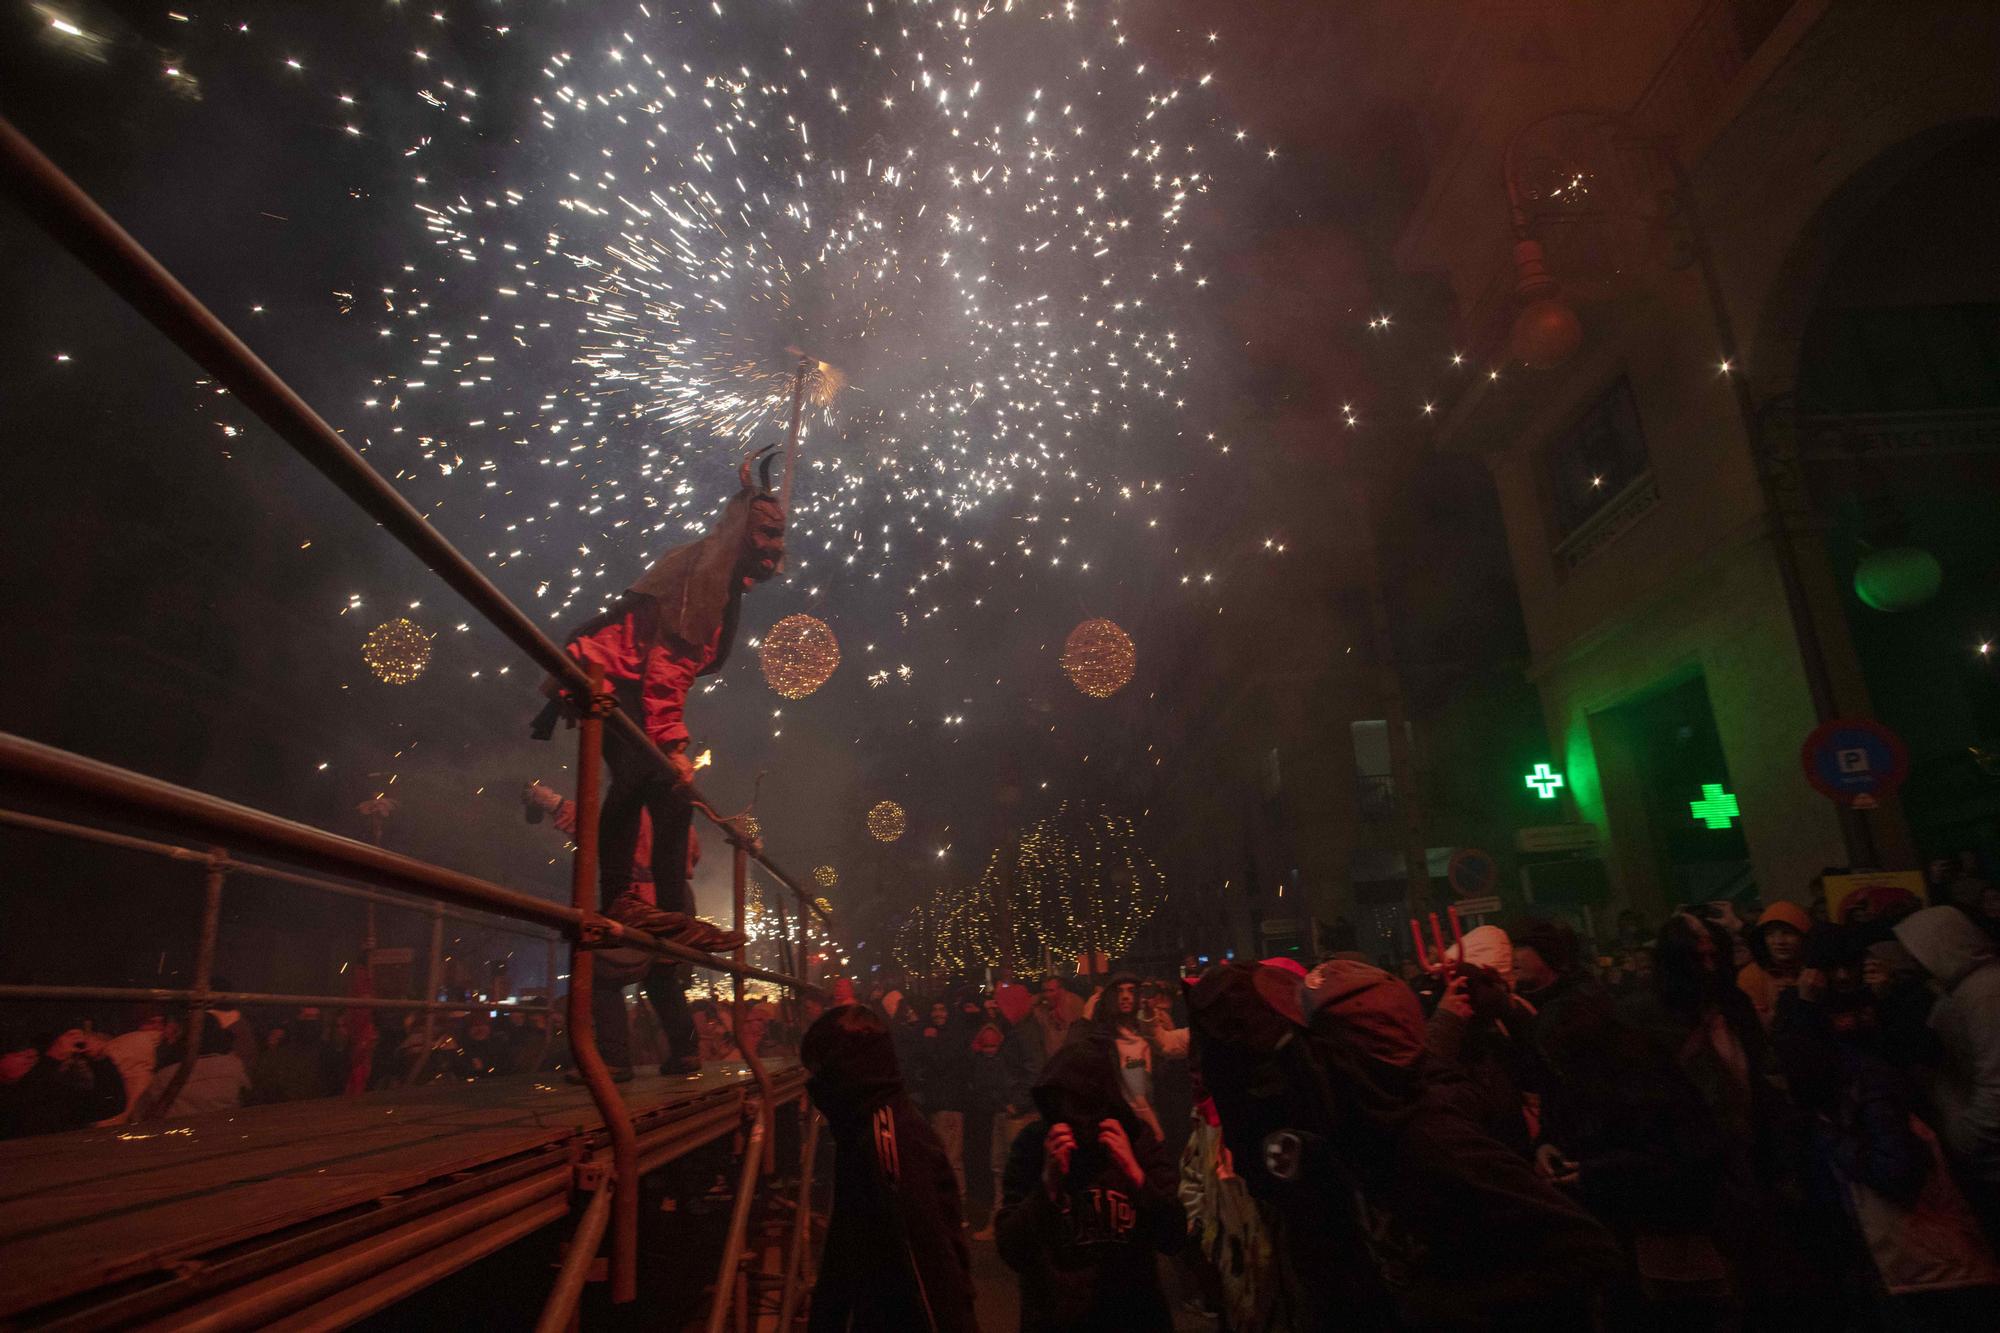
974, 220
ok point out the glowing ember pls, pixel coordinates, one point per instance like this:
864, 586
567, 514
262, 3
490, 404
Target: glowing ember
397, 651
799, 655
886, 821
1099, 657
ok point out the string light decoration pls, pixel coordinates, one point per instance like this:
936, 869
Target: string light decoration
934, 940
886, 821
1083, 879
1075, 883
1098, 657
799, 655
825, 876
751, 828
1002, 929
397, 651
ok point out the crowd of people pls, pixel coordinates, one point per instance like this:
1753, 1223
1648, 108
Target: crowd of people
1761, 1119
81, 1076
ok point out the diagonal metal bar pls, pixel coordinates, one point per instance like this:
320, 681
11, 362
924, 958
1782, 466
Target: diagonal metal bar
77, 223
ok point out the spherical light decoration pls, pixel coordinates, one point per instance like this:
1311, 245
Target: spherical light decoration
397, 651
886, 821
799, 655
1085, 881
1098, 657
751, 828
825, 876
1898, 578
1546, 334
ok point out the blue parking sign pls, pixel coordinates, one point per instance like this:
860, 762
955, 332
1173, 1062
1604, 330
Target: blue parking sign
1855, 761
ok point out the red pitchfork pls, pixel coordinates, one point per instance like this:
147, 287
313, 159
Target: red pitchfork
1444, 965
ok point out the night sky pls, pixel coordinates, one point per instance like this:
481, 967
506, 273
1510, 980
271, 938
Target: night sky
1093, 287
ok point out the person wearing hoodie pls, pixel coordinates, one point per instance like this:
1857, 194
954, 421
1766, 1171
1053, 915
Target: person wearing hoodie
1888, 1225
1137, 1042
1777, 948
940, 1067
1902, 1001
895, 1255
987, 1093
1711, 1028
1088, 1200
1476, 1032
1966, 972
1391, 1208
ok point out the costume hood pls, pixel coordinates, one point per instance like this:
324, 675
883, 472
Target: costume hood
1946, 942
1014, 999
1784, 914
853, 1072
1079, 1085
1897, 960
1487, 947
698, 586
1366, 1010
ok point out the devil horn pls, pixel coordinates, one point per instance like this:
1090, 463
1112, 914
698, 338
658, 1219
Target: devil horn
763, 458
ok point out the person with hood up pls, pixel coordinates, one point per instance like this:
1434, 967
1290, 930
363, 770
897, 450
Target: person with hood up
1902, 1001
1139, 1043
895, 1255
1391, 1208
1088, 1200
675, 624
1777, 950
1882, 1202
1966, 971
1708, 1024
1476, 1031
940, 1064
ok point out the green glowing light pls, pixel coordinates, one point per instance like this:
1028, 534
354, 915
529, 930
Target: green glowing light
1716, 808
1546, 781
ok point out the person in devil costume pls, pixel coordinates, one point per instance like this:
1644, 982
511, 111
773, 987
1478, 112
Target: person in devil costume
675, 624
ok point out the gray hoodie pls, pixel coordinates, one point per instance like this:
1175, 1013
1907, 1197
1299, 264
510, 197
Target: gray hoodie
1961, 960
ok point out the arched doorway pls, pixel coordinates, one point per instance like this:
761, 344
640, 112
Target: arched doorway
1896, 415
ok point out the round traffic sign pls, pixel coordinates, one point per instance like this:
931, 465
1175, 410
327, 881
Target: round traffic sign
1472, 872
1855, 761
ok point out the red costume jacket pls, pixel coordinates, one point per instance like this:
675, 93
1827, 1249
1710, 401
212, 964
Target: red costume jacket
635, 647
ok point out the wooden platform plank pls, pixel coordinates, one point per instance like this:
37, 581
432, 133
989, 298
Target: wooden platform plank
97, 1206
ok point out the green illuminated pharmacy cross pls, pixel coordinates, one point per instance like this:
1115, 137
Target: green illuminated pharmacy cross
1545, 781
1716, 808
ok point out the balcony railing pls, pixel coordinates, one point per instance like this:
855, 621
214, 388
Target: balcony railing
1888, 435
79, 225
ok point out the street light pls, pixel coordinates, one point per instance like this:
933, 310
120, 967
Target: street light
1546, 331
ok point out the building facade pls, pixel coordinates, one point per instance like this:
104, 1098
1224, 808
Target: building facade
1764, 216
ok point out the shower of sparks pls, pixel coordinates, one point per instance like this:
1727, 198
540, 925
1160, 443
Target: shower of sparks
973, 222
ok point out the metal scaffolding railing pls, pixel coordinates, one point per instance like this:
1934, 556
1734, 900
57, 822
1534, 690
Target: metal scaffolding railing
80, 226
